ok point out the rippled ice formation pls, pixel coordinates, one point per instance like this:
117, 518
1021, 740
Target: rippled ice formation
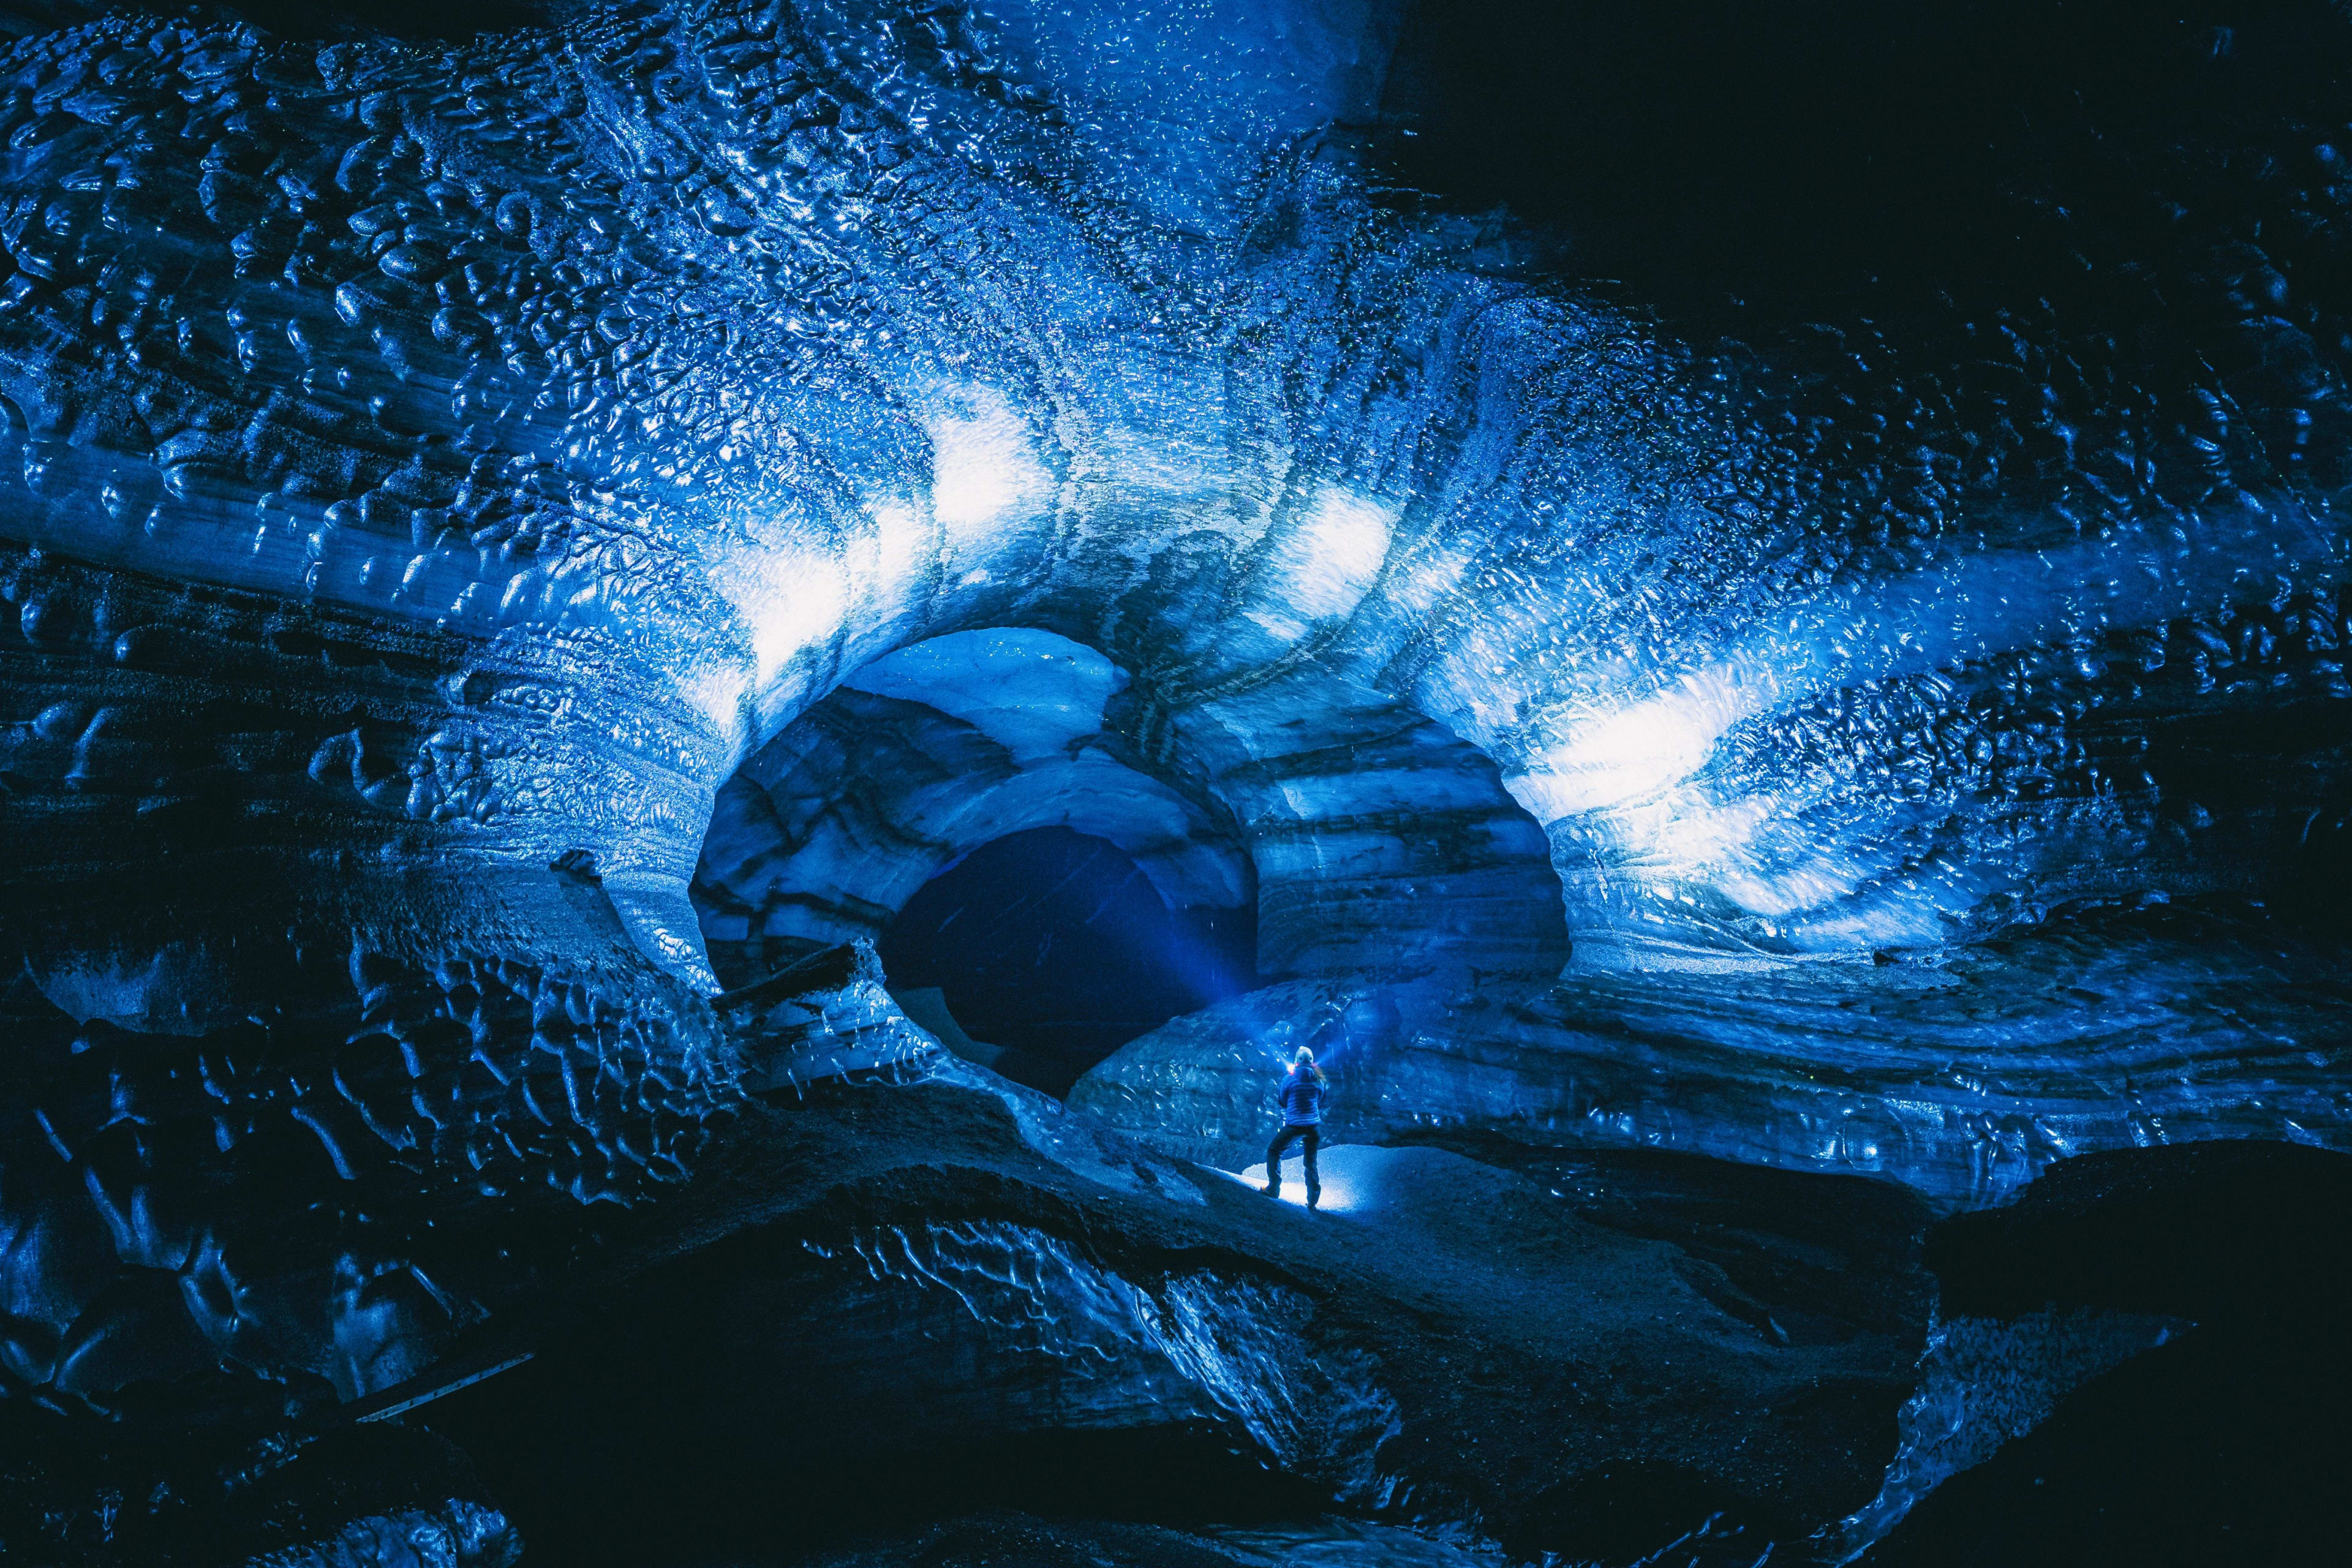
1982, 1382
1193, 1343
1346, 1544
672, 372
463, 1535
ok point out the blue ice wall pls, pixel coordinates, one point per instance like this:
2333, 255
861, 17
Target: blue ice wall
449, 480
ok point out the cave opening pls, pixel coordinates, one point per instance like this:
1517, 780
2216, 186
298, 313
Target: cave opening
1736, 614
1042, 952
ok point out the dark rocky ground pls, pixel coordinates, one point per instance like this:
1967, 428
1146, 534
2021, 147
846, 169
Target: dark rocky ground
883, 1331
1578, 1347
2229, 1445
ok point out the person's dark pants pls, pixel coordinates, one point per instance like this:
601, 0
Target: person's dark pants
1274, 1152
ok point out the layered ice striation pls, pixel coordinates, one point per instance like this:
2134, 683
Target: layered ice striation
1370, 839
507, 534
1024, 1332
1965, 1075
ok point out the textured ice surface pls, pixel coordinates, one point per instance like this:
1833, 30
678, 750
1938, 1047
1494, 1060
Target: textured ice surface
462, 1535
1190, 1343
1964, 1076
923, 757
1984, 1381
1349, 1543
688, 366
449, 485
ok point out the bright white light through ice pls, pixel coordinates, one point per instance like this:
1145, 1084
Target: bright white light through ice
984, 471
1321, 569
1639, 749
1339, 1189
791, 600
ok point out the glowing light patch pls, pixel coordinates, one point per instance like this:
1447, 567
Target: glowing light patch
787, 602
1339, 1195
983, 470
1321, 569
804, 604
1777, 896
717, 692
1686, 827
1417, 591
899, 552
1643, 748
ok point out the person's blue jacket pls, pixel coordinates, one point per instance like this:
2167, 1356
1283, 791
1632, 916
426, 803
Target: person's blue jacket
1302, 1100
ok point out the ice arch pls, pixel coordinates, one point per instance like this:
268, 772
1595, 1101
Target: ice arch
918, 758
1374, 842
564, 361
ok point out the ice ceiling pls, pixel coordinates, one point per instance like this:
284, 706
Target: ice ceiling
512, 536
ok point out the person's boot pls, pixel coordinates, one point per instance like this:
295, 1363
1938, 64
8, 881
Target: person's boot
1314, 1196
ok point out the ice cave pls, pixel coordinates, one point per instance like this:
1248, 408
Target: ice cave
711, 706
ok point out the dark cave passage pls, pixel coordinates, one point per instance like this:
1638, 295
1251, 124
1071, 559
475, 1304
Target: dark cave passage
1050, 949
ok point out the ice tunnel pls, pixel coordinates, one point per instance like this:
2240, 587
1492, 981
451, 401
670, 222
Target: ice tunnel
700, 697
1359, 838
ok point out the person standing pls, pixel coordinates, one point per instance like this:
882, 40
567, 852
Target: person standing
1301, 1099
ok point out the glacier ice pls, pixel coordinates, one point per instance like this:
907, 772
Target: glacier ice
527, 547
